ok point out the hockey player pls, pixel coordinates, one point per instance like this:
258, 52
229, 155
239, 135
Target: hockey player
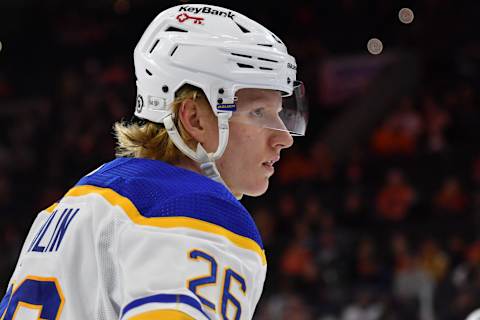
158, 233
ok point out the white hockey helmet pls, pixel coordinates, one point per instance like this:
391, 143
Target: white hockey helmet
219, 51
475, 315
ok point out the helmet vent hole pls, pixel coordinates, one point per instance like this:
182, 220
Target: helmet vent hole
242, 65
148, 72
265, 45
173, 51
265, 68
241, 55
154, 45
174, 29
244, 30
269, 60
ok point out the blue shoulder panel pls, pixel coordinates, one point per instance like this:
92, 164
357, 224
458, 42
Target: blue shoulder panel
158, 189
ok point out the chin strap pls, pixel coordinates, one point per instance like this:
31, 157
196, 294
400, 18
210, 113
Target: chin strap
205, 159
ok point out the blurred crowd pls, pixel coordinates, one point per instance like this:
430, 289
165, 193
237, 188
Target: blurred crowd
389, 232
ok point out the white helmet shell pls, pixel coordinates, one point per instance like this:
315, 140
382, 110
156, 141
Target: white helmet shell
475, 315
212, 48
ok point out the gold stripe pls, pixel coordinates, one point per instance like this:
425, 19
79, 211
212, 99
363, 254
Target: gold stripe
116, 199
162, 314
51, 208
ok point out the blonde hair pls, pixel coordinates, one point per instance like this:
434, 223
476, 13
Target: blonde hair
146, 139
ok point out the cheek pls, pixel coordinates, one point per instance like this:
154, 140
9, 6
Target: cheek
242, 150
246, 143
240, 166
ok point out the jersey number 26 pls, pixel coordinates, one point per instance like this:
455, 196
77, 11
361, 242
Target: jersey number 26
211, 279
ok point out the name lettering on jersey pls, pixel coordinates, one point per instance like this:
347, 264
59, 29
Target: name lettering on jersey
207, 10
49, 237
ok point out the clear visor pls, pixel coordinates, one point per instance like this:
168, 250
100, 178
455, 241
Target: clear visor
272, 111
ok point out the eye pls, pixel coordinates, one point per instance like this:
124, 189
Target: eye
257, 113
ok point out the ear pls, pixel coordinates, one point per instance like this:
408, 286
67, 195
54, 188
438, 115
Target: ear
193, 119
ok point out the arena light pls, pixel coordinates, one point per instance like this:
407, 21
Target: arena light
375, 46
406, 16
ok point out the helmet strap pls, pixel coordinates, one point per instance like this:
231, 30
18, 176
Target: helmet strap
206, 160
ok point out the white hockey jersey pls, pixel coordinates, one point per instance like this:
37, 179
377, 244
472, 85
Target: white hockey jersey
139, 239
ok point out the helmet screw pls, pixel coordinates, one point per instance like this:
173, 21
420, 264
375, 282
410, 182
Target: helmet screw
221, 91
165, 89
220, 100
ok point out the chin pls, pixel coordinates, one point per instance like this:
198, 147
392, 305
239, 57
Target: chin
258, 189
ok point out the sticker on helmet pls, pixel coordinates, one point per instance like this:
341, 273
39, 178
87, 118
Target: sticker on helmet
157, 103
227, 106
207, 10
139, 106
182, 17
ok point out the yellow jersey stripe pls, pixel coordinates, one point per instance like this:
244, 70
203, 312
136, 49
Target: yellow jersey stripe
129, 208
51, 208
162, 314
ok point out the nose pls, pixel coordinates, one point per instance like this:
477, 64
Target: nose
281, 139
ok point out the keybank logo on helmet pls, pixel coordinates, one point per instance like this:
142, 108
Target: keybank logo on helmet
207, 10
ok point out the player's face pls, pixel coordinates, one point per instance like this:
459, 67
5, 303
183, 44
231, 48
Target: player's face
248, 161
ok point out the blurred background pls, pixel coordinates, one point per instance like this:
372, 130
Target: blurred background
373, 215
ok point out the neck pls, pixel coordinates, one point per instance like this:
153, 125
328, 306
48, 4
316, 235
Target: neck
189, 164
